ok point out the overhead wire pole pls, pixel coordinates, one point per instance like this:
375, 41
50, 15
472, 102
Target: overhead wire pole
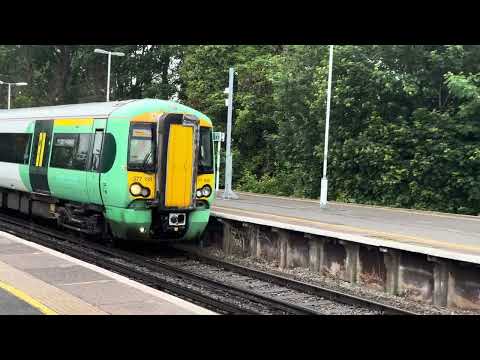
228, 192
324, 182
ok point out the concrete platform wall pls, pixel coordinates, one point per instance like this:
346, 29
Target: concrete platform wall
418, 277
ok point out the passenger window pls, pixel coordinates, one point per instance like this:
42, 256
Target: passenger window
26, 154
15, 148
70, 151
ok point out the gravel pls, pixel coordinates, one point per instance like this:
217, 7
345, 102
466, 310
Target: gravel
320, 305
211, 291
305, 275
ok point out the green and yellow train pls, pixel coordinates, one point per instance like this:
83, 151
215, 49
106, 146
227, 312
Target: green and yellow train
135, 169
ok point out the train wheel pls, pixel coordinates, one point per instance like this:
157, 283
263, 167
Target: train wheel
108, 237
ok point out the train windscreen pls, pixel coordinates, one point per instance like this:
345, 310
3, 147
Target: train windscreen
141, 155
205, 163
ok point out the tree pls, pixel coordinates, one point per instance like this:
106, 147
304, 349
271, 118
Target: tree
404, 125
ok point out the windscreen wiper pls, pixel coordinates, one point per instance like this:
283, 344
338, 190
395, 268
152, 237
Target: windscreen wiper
147, 157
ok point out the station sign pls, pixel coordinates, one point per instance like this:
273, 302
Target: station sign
218, 136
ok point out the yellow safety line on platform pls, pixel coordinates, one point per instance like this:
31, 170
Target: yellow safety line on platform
407, 211
26, 298
369, 232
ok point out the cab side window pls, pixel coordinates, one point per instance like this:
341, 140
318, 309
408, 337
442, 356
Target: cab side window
96, 150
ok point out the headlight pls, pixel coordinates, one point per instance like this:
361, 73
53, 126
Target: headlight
206, 191
136, 189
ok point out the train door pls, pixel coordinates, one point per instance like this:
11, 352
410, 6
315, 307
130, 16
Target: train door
38, 169
178, 160
93, 166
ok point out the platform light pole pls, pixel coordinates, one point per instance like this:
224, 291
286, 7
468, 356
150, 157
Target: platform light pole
10, 88
109, 53
324, 183
228, 192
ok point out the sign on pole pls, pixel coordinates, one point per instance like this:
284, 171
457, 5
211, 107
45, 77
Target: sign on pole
218, 137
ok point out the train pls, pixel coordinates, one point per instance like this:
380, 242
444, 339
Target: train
132, 170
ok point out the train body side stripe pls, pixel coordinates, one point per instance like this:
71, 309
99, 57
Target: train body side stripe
38, 149
73, 122
42, 150
38, 169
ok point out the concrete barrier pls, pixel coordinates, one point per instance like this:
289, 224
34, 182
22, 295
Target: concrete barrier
416, 276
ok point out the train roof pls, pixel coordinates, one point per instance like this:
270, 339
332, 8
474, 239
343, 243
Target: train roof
99, 109
96, 110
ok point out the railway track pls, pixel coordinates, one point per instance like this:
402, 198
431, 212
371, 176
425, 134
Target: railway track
293, 284
319, 299
202, 290
221, 286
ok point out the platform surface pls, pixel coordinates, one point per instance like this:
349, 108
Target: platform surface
437, 234
38, 280
13, 305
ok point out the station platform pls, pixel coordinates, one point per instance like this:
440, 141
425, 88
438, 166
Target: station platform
436, 234
38, 280
14, 305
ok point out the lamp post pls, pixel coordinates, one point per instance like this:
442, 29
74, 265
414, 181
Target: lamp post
324, 182
228, 192
10, 88
109, 53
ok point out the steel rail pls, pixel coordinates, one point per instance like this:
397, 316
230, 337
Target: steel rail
85, 250
38, 236
277, 304
282, 280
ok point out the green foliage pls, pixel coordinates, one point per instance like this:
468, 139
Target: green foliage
404, 129
65, 74
405, 119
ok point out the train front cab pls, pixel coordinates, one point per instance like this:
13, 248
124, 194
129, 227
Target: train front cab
170, 177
